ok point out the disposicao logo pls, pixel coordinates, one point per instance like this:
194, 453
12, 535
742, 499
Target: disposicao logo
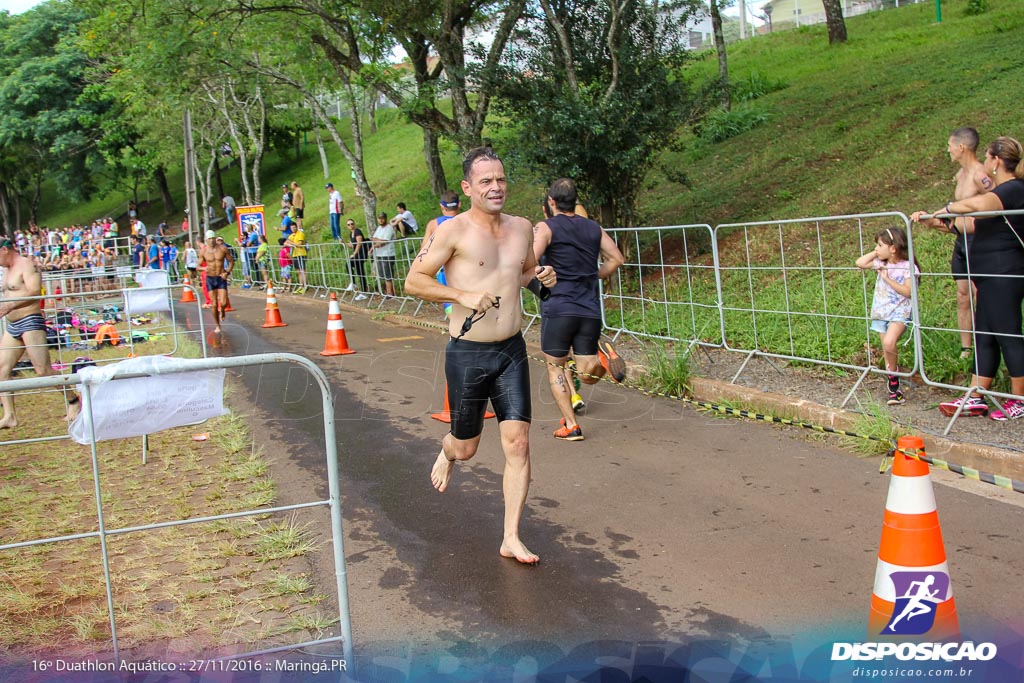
917, 594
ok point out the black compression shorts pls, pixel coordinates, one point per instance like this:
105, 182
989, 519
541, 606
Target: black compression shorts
478, 371
560, 333
958, 264
214, 282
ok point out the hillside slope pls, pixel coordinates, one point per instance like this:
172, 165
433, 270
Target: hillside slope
855, 128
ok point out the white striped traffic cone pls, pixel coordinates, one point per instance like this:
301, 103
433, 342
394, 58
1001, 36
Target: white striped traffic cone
337, 342
913, 595
273, 313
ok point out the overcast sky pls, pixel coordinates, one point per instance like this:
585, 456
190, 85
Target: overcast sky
17, 6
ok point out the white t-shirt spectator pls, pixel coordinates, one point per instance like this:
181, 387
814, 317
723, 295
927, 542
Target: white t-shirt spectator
384, 232
335, 201
407, 218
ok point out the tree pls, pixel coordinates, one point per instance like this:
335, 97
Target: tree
835, 22
725, 98
433, 33
40, 108
592, 92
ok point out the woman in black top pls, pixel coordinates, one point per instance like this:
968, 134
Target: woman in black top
996, 262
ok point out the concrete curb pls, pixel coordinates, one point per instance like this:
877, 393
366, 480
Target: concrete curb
984, 458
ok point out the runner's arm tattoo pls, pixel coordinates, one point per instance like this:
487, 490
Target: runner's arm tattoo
426, 248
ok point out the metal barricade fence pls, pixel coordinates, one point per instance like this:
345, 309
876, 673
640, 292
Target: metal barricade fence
667, 288
328, 270
798, 296
102, 532
77, 318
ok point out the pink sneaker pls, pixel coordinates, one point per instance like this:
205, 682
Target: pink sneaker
974, 406
1012, 409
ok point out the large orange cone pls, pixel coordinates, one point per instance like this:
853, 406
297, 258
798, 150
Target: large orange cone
337, 342
273, 315
913, 595
228, 307
187, 296
446, 414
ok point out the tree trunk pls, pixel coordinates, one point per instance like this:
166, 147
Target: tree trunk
219, 179
37, 199
723, 65
165, 192
438, 182
835, 22
373, 112
5, 210
320, 148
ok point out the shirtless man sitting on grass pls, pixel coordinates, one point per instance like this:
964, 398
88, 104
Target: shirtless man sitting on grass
488, 256
26, 328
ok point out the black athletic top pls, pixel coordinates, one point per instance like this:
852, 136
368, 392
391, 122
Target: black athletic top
573, 252
997, 248
360, 250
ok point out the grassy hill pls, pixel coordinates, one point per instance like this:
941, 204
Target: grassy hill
862, 126
852, 128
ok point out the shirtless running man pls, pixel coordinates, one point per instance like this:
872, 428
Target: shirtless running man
26, 328
217, 274
487, 256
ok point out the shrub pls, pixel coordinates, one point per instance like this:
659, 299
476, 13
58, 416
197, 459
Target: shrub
721, 125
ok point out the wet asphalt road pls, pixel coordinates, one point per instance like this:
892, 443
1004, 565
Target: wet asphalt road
663, 525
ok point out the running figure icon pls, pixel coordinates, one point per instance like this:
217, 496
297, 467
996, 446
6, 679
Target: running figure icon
920, 601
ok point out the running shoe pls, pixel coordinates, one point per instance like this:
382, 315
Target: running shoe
896, 398
611, 361
566, 434
577, 403
360, 297
974, 407
351, 288
247, 286
1012, 409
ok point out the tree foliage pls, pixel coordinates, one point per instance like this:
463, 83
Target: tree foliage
591, 91
41, 113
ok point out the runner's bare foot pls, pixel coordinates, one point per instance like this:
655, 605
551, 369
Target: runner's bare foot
216, 330
8, 423
514, 548
441, 472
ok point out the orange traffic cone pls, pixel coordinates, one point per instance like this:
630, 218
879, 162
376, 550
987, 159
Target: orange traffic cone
273, 315
913, 595
337, 342
187, 296
227, 307
446, 414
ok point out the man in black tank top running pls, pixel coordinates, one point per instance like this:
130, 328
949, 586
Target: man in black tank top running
571, 316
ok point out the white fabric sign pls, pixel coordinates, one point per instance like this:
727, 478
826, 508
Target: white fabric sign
153, 296
167, 398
